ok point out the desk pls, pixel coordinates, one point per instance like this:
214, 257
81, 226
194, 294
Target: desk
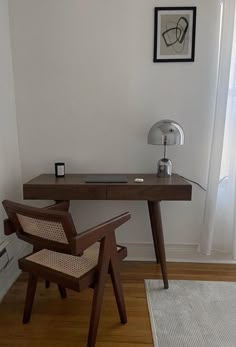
154, 189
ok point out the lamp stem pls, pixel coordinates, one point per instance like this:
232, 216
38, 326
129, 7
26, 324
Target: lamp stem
165, 148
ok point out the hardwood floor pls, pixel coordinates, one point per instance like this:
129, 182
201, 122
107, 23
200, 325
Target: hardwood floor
57, 323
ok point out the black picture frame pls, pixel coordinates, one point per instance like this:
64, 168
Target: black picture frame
178, 41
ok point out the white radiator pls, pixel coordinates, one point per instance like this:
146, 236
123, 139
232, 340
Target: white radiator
4, 258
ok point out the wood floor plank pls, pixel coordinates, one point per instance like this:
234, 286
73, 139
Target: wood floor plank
60, 323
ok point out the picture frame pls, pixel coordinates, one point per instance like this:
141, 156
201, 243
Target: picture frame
174, 34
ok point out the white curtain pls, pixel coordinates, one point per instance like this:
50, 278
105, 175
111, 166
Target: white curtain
219, 231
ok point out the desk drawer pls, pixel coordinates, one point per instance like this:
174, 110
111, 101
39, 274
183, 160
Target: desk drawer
147, 192
64, 192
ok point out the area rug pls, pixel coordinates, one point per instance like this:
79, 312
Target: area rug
192, 313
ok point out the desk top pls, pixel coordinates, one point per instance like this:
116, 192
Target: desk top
73, 187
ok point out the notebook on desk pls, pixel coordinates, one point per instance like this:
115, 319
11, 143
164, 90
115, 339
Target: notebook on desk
106, 179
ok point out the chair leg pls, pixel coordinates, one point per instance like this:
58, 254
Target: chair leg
32, 284
47, 284
95, 314
103, 265
118, 291
62, 291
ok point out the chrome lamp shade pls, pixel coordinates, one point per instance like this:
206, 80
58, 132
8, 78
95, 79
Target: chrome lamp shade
165, 132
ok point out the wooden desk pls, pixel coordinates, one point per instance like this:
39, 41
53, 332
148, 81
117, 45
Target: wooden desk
153, 190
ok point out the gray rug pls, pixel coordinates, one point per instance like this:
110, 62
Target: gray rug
192, 313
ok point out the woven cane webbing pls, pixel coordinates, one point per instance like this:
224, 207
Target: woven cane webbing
68, 264
46, 229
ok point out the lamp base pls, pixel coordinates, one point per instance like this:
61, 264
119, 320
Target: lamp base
164, 168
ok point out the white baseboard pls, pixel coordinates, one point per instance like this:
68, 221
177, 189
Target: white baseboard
175, 253
9, 275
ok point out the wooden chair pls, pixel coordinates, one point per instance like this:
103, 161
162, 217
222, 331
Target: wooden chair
81, 260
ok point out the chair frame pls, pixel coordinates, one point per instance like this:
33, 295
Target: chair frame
108, 259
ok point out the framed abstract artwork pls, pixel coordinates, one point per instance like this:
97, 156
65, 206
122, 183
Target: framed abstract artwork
174, 34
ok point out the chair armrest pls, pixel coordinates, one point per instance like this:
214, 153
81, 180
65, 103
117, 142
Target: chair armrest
95, 234
59, 206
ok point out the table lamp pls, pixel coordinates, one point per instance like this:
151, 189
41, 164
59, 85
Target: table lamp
166, 132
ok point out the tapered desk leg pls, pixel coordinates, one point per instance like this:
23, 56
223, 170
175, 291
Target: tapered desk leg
158, 238
153, 227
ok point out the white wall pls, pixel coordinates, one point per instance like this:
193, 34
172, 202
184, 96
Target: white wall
10, 171
87, 93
